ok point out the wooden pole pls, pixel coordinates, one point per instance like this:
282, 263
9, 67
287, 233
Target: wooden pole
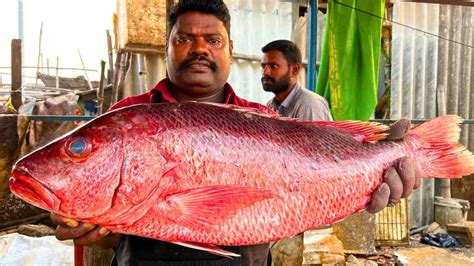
115, 79
16, 74
100, 90
57, 72
124, 66
122, 63
85, 71
110, 50
39, 52
42, 63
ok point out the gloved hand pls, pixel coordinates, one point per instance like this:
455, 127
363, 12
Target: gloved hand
400, 179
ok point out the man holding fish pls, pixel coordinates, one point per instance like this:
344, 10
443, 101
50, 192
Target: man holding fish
198, 61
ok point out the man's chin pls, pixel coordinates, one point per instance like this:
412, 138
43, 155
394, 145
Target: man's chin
198, 79
267, 89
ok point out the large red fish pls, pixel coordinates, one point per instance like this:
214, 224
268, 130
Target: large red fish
202, 175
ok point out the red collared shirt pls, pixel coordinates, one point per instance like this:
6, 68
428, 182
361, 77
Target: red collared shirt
161, 93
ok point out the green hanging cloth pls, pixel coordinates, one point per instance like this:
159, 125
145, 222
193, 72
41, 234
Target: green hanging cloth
349, 71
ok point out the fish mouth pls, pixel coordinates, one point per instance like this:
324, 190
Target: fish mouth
25, 186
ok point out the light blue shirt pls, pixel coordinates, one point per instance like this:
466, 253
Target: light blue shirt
302, 104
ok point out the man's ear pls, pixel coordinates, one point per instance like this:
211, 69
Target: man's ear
231, 49
295, 69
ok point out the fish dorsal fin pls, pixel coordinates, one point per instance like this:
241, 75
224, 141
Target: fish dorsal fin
361, 131
206, 205
206, 247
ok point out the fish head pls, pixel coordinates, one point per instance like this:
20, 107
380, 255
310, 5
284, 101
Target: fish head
75, 175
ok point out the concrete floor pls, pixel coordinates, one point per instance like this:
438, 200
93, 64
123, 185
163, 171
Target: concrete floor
433, 256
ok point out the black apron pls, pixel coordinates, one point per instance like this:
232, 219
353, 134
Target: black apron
134, 250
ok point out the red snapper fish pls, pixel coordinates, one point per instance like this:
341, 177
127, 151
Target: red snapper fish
201, 175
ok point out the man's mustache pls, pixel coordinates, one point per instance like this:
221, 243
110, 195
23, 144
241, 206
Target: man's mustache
266, 78
185, 63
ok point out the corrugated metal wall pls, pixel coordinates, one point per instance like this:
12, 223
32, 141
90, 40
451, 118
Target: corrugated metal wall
254, 24
422, 64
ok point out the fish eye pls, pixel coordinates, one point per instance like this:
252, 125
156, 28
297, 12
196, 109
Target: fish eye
78, 147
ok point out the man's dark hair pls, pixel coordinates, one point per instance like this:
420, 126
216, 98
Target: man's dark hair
213, 7
290, 51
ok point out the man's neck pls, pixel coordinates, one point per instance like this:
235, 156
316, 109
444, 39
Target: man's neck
217, 97
281, 96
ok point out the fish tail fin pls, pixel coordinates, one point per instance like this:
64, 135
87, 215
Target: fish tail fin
436, 149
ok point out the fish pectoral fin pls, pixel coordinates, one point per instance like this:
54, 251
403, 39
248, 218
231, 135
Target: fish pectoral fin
209, 248
207, 204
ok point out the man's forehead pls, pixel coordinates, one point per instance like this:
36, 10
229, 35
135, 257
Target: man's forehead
273, 56
192, 22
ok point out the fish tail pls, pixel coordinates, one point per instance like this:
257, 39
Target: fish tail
435, 146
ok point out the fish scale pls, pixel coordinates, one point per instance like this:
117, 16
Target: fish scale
201, 173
